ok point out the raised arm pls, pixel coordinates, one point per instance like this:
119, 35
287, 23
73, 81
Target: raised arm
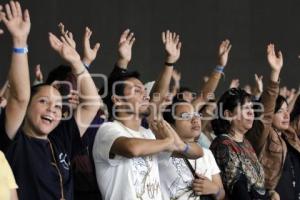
126, 42
89, 98
210, 86
38, 78
259, 133
18, 25
176, 76
258, 87
293, 100
172, 46
89, 54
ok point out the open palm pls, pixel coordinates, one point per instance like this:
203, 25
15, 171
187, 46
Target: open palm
64, 49
172, 46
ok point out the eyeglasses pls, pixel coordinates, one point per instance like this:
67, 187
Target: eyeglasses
189, 116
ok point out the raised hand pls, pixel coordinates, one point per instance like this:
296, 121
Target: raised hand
235, 83
17, 23
259, 86
172, 46
223, 52
38, 73
66, 35
63, 48
275, 61
126, 42
283, 91
89, 54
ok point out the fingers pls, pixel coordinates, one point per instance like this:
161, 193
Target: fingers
124, 35
225, 46
280, 55
8, 12
169, 37
19, 9
67, 36
87, 33
163, 37
96, 47
38, 68
127, 37
13, 9
54, 42
61, 27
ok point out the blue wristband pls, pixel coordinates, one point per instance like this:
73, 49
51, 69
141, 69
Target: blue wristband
218, 193
219, 69
186, 148
20, 50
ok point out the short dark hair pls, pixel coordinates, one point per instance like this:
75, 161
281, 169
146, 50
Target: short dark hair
168, 113
228, 101
119, 89
36, 88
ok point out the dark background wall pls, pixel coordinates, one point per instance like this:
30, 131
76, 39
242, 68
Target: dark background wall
202, 24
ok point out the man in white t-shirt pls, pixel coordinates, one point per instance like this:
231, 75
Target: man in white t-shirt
186, 179
124, 152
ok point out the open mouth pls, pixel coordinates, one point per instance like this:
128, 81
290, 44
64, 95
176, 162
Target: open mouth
48, 119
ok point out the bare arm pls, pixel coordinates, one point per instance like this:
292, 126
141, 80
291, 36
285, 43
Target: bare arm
126, 42
134, 147
172, 47
89, 98
18, 24
213, 81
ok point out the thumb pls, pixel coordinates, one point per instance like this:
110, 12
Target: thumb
96, 47
26, 16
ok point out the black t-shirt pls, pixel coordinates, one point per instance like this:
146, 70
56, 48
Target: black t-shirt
288, 186
32, 162
85, 182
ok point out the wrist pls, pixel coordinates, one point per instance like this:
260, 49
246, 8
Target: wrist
275, 76
77, 67
217, 192
185, 148
22, 50
219, 69
86, 62
171, 60
169, 144
122, 63
19, 42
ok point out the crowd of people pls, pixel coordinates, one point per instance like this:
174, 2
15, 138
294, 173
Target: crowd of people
64, 137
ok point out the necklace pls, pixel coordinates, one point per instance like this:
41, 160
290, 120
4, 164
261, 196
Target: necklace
58, 171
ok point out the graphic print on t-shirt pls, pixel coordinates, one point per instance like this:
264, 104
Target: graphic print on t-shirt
64, 161
143, 184
182, 184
